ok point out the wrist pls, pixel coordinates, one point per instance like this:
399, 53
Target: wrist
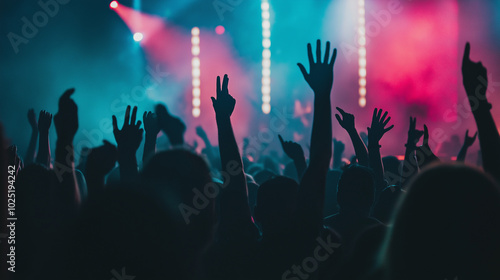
150, 137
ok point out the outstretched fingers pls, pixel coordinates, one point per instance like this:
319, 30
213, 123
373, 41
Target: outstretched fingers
127, 116
327, 52
334, 56
466, 57
134, 115
318, 51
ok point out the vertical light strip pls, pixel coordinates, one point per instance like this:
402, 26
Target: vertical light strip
266, 58
195, 70
362, 53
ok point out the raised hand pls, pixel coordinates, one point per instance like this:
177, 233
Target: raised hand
338, 151
320, 76
347, 120
224, 104
338, 146
151, 125
44, 121
30, 152
130, 136
414, 134
292, 149
173, 127
467, 143
475, 78
66, 119
424, 151
378, 126
32, 120
469, 140
201, 132
101, 160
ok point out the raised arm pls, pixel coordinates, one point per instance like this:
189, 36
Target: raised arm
66, 123
347, 122
100, 161
467, 143
475, 81
312, 186
424, 154
338, 152
410, 168
235, 210
152, 129
30, 152
44, 122
128, 140
375, 133
209, 149
296, 153
173, 127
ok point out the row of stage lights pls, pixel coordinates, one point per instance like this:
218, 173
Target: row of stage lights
266, 57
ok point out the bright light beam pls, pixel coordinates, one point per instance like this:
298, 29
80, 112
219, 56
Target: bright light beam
266, 58
362, 53
195, 70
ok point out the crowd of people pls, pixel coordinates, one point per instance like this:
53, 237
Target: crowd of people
220, 214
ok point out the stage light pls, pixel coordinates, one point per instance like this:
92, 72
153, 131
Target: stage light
362, 53
266, 81
196, 92
362, 82
196, 112
195, 50
266, 57
266, 63
266, 108
266, 43
113, 5
362, 102
195, 71
266, 53
220, 29
195, 62
138, 36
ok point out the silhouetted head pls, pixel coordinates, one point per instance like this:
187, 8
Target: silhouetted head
263, 176
276, 203
356, 190
447, 227
290, 171
386, 204
127, 233
180, 180
391, 169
